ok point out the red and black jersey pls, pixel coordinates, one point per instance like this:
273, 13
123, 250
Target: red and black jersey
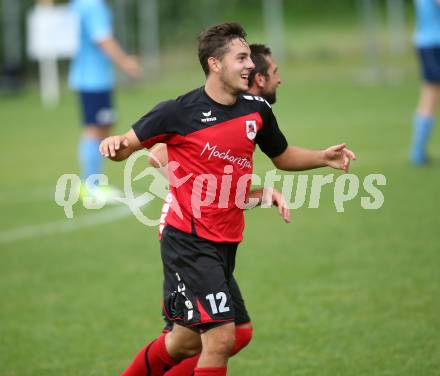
213, 146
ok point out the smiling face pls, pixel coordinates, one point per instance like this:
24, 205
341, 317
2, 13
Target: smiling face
234, 66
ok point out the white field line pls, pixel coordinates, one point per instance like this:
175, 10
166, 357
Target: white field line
65, 225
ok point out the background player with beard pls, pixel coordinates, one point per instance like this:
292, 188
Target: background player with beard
264, 79
198, 252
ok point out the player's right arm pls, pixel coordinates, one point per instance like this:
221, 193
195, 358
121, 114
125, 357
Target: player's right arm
120, 147
157, 126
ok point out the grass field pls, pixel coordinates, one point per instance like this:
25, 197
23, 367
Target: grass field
353, 293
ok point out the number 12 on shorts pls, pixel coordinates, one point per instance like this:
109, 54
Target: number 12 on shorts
221, 298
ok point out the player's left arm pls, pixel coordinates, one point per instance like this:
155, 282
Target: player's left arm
292, 158
298, 159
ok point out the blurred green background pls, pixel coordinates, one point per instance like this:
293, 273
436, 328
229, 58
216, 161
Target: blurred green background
353, 293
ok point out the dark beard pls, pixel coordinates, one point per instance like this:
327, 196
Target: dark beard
271, 97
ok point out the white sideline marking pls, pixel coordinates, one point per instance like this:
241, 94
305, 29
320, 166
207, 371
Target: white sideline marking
65, 225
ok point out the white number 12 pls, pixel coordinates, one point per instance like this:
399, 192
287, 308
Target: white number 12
221, 296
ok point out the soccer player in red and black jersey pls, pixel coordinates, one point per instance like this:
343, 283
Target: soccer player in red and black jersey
264, 80
211, 134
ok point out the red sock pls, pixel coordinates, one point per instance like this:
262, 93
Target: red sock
210, 371
152, 360
186, 367
242, 338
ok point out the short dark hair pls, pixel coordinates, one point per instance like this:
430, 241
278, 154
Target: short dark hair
259, 52
213, 41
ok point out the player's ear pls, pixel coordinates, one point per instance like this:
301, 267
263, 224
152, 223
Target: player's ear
260, 80
214, 64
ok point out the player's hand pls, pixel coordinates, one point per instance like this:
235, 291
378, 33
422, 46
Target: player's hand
272, 196
339, 157
110, 145
132, 67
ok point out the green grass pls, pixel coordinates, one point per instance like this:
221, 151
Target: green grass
353, 293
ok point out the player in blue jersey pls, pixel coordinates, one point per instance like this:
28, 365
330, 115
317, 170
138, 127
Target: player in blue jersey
91, 75
427, 41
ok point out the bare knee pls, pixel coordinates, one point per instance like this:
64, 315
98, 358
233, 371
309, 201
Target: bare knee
191, 348
219, 341
217, 346
183, 343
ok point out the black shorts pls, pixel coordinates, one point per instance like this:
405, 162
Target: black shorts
199, 288
241, 314
430, 64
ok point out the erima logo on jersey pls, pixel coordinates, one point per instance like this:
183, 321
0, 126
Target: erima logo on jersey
208, 117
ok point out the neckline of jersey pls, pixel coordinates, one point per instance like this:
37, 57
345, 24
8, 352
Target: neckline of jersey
205, 94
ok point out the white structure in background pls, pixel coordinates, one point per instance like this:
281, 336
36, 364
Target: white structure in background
396, 25
148, 31
140, 37
370, 18
52, 34
274, 26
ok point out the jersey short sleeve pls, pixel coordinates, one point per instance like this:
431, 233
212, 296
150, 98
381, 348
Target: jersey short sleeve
270, 139
97, 20
157, 125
